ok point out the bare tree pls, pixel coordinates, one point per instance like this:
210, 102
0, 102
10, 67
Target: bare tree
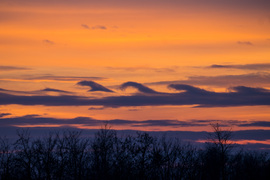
6, 158
24, 155
220, 144
103, 148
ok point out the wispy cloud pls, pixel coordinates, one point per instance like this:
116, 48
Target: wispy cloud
96, 27
49, 42
134, 69
49, 77
245, 43
36, 92
85, 26
96, 108
263, 66
99, 27
252, 79
12, 68
54, 90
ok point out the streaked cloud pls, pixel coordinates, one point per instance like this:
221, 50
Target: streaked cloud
264, 66
49, 42
50, 77
12, 68
134, 69
85, 26
99, 27
245, 43
36, 92
252, 79
96, 108
54, 90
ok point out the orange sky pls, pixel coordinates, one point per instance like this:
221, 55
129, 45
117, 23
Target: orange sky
48, 44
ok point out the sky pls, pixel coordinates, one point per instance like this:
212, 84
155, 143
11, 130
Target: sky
153, 65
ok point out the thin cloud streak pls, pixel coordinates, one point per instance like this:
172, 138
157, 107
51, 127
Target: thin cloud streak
263, 66
12, 68
252, 79
85, 26
49, 42
245, 43
53, 78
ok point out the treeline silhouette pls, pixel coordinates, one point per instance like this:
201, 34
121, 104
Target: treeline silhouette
69, 155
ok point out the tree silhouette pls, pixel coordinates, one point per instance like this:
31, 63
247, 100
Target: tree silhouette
217, 152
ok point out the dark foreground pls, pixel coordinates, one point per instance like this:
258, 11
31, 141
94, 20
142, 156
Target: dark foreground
68, 155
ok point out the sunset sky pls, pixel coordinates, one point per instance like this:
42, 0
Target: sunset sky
151, 65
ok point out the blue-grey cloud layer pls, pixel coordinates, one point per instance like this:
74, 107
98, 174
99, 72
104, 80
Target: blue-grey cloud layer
8, 127
188, 95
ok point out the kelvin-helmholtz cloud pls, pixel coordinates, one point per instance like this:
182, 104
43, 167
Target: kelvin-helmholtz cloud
138, 86
184, 95
94, 86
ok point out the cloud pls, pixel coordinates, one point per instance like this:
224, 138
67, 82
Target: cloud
38, 120
4, 114
252, 79
94, 86
245, 43
50, 77
37, 92
8, 127
18, 92
12, 68
138, 86
54, 90
242, 66
34, 119
256, 124
133, 109
85, 26
96, 108
238, 96
88, 121
188, 89
134, 69
99, 27
49, 42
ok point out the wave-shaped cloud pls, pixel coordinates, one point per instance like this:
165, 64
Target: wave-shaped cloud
238, 96
94, 86
138, 86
